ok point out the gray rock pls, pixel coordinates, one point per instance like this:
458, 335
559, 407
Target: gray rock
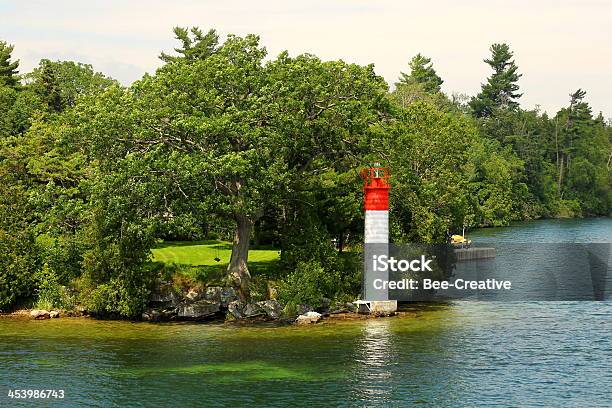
54, 314
272, 308
253, 310
223, 295
197, 310
341, 307
39, 314
308, 318
236, 309
213, 293
303, 309
159, 315
155, 314
351, 307
194, 295
228, 295
73, 313
168, 313
164, 294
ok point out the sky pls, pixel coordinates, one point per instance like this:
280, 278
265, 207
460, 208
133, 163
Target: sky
559, 46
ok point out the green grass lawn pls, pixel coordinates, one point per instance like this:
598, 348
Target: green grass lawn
196, 259
203, 253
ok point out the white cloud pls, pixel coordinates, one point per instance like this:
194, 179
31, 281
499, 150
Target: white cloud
559, 45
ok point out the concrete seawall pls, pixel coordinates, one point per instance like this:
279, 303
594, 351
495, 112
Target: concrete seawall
469, 254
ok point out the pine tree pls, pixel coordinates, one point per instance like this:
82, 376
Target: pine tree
500, 91
422, 72
8, 68
199, 47
50, 89
578, 126
579, 121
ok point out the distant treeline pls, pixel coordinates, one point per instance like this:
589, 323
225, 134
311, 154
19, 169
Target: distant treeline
222, 143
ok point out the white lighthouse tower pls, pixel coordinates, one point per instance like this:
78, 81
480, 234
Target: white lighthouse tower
376, 239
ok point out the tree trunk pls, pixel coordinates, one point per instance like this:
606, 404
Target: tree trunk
557, 140
237, 270
341, 242
560, 179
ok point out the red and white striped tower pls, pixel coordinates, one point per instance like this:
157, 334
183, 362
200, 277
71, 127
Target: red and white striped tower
376, 190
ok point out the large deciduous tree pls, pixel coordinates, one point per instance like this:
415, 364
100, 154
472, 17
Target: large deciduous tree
247, 130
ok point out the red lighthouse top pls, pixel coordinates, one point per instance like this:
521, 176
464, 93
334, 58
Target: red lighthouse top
376, 188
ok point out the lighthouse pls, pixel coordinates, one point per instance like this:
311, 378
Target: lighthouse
376, 238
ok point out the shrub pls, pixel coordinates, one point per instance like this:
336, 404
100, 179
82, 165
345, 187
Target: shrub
308, 284
121, 296
311, 282
569, 209
316, 269
62, 257
117, 272
51, 294
19, 262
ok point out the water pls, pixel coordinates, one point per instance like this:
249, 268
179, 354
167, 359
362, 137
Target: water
590, 230
467, 353
547, 260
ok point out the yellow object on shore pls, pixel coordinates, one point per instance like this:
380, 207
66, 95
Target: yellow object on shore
459, 240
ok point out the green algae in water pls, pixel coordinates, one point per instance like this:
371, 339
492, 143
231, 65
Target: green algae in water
238, 371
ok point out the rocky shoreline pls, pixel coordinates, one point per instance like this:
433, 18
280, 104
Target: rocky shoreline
43, 314
214, 304
207, 304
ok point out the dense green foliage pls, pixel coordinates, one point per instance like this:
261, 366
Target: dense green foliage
8, 68
222, 143
19, 256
